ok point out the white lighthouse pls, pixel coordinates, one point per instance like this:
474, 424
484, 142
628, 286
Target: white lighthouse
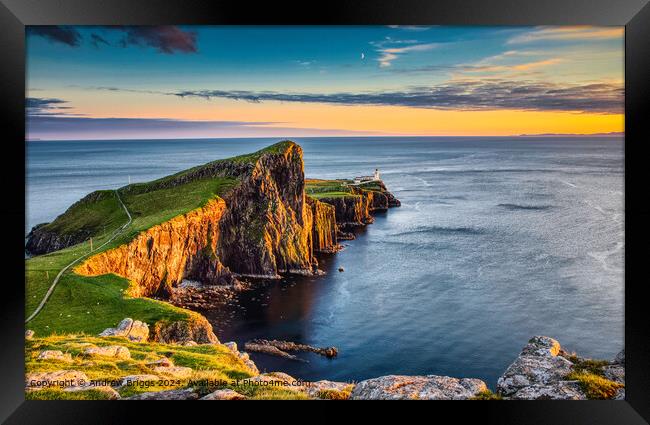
376, 175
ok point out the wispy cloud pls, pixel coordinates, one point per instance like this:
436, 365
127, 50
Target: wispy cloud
568, 33
410, 27
482, 94
163, 38
525, 66
390, 49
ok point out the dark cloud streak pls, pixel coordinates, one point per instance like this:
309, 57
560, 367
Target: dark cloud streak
457, 95
44, 106
56, 34
168, 39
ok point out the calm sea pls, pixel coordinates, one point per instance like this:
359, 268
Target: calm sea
497, 240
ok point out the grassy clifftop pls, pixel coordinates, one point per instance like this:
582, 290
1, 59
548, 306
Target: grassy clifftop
212, 366
318, 189
90, 304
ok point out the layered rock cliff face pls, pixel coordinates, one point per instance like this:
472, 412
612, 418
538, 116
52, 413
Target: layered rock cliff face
41, 240
263, 227
324, 227
267, 227
352, 210
163, 255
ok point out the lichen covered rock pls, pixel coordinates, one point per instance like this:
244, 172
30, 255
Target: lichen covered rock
136, 331
55, 379
116, 351
431, 387
55, 355
183, 394
197, 329
225, 394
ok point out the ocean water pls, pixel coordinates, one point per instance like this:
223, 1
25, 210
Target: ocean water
497, 240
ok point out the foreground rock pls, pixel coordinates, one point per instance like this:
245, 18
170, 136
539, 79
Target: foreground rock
164, 361
136, 331
329, 390
108, 392
54, 355
29, 334
224, 395
232, 346
539, 373
197, 329
56, 379
431, 387
543, 370
184, 394
116, 351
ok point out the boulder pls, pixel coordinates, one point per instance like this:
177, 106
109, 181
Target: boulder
54, 355
164, 361
184, 394
117, 351
136, 331
539, 373
561, 390
111, 394
620, 394
232, 346
430, 387
29, 334
316, 389
615, 372
620, 358
56, 379
224, 395
197, 329
174, 371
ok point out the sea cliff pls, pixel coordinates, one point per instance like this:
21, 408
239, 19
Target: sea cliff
264, 224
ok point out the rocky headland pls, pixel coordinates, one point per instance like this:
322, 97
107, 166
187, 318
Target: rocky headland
258, 220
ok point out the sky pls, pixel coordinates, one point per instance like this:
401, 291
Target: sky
103, 82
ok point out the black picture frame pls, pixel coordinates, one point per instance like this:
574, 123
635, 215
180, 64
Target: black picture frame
634, 14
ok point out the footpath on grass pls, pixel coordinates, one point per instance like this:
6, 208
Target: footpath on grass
63, 270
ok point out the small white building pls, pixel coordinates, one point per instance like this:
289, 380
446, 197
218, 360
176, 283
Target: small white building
364, 179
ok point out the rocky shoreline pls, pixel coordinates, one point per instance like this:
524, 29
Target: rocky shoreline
542, 371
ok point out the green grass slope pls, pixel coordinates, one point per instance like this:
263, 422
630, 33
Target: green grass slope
91, 304
214, 367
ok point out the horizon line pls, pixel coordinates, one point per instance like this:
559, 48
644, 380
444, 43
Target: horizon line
610, 134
